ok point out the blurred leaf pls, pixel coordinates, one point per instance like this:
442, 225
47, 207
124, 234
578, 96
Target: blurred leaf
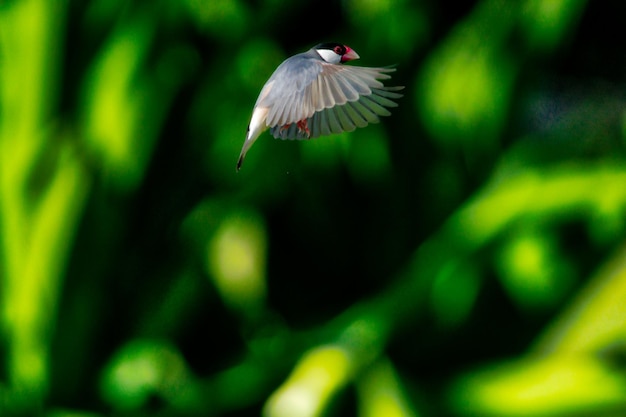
316, 378
532, 269
547, 22
464, 90
380, 393
558, 385
120, 95
231, 242
145, 368
236, 257
595, 321
568, 190
43, 185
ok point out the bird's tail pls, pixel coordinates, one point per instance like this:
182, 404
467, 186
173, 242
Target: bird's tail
256, 127
246, 145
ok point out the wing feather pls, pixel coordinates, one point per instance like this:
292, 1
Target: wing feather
367, 114
346, 122
314, 124
353, 114
347, 89
374, 107
333, 123
324, 126
383, 101
331, 98
389, 92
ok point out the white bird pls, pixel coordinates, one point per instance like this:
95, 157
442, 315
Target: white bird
312, 94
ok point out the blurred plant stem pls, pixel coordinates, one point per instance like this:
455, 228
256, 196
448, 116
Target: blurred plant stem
594, 321
42, 192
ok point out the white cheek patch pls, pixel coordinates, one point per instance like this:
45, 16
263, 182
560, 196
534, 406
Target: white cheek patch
329, 56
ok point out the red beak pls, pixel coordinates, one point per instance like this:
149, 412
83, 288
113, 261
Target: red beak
349, 55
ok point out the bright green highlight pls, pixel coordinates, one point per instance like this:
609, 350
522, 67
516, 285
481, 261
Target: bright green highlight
318, 376
532, 270
37, 219
553, 386
596, 317
236, 260
464, 93
546, 22
551, 192
140, 369
115, 101
381, 393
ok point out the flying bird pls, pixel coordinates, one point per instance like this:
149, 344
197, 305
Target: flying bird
313, 94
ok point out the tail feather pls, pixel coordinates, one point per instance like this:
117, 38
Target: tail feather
246, 145
242, 156
255, 128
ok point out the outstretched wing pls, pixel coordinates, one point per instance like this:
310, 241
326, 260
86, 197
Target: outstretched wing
343, 118
332, 98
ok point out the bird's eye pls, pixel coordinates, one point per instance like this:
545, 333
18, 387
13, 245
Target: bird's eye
339, 50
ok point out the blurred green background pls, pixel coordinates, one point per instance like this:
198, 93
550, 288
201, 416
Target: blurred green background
464, 257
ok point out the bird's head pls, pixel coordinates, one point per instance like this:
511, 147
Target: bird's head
336, 53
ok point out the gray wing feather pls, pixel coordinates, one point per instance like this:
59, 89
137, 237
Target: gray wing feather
366, 113
343, 118
354, 115
347, 125
293, 80
331, 98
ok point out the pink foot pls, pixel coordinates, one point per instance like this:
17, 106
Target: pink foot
303, 127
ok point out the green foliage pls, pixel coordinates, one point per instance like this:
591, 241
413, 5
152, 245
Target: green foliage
465, 257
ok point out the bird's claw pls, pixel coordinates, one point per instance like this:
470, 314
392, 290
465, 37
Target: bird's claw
302, 125
304, 128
